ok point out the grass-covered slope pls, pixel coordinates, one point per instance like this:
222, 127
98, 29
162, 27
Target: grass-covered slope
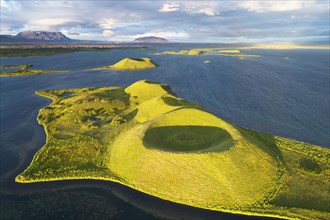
130, 64
146, 138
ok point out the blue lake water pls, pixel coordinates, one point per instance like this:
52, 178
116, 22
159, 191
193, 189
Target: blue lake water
283, 92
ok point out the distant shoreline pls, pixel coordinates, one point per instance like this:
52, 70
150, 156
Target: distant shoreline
147, 45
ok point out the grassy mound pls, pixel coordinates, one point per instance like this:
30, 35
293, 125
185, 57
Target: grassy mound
144, 137
130, 64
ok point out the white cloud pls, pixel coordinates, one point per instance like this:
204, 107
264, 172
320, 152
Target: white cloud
265, 6
73, 33
208, 8
164, 34
10, 5
108, 33
52, 4
53, 21
107, 23
6, 29
169, 7
208, 11
192, 7
47, 24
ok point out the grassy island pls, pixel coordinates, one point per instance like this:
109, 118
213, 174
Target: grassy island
24, 70
238, 55
235, 53
229, 51
145, 137
130, 64
209, 51
192, 52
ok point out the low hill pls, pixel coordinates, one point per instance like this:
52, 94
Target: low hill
145, 137
130, 64
151, 39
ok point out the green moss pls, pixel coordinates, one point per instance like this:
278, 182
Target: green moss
144, 137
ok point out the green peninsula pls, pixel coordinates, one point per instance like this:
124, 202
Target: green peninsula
24, 70
130, 64
145, 137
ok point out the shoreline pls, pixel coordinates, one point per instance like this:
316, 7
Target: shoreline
226, 211
266, 210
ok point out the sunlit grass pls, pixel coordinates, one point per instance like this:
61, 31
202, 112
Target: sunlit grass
146, 138
130, 64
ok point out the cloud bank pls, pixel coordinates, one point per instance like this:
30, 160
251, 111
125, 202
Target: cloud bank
184, 21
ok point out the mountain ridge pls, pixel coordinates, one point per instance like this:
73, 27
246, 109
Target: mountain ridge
43, 35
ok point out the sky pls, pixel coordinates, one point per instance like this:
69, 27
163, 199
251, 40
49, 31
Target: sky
222, 21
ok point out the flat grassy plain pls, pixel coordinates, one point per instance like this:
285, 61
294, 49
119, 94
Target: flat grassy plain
145, 137
47, 50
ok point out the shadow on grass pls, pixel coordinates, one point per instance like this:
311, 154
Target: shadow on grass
181, 102
131, 115
188, 138
265, 142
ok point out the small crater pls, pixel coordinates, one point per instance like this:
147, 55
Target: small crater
188, 138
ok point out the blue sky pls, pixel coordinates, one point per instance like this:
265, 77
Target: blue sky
222, 21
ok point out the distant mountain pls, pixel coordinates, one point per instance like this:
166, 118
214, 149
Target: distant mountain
151, 39
43, 35
35, 37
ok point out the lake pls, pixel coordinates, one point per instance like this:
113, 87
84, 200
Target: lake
282, 92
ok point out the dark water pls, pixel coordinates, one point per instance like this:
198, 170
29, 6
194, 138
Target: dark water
285, 93
6, 70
